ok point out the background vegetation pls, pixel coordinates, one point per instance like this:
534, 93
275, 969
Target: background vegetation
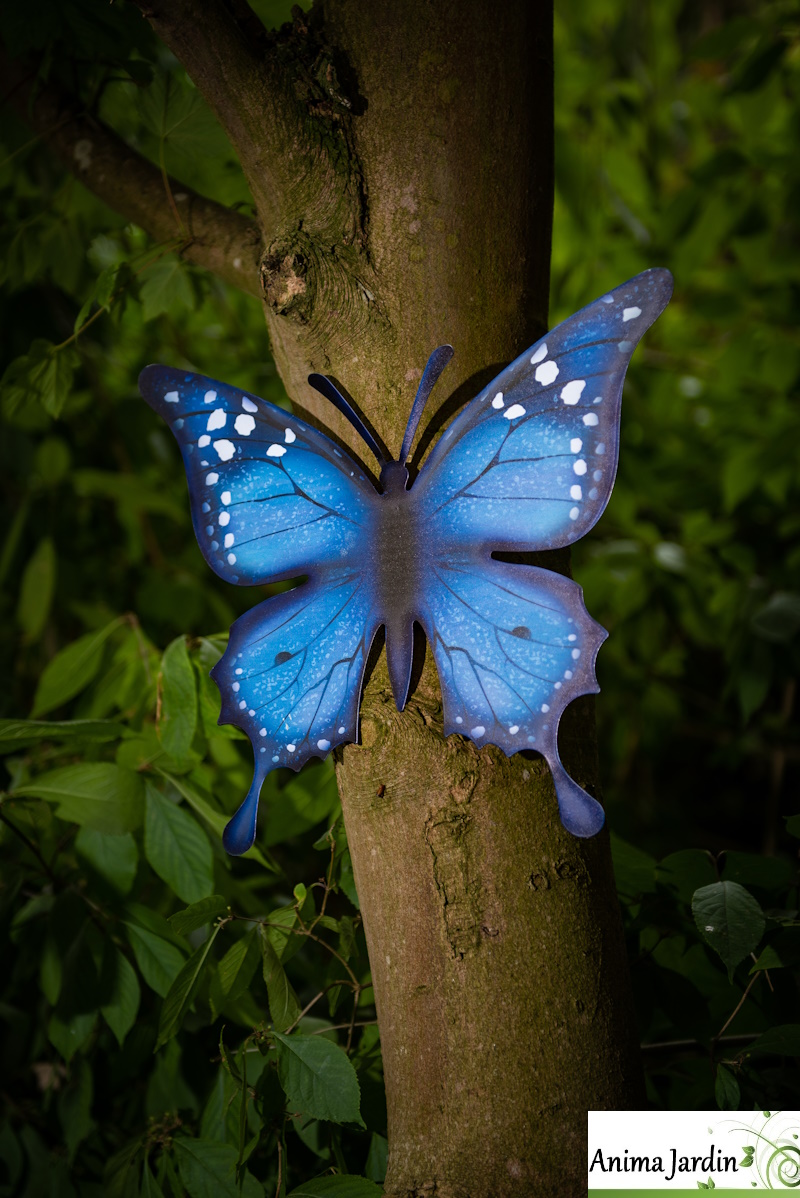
177, 1022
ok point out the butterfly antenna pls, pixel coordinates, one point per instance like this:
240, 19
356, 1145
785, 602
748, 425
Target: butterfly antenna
430, 375
323, 384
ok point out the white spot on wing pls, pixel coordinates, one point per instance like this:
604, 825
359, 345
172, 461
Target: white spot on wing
575, 492
225, 449
579, 467
276, 451
546, 374
212, 478
248, 404
244, 425
514, 729
229, 539
324, 745
540, 353
575, 445
514, 411
342, 730
574, 513
478, 730
572, 391
497, 402
630, 314
225, 497
217, 419
591, 419
224, 518
171, 397
291, 748
231, 559
203, 441
209, 397
289, 436
545, 708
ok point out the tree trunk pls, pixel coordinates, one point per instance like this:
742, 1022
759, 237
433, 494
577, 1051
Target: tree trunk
494, 936
400, 155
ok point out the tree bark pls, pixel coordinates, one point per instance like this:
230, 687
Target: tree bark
402, 162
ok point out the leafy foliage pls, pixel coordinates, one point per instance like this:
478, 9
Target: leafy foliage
175, 1022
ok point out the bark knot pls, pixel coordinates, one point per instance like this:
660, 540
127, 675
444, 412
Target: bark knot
284, 283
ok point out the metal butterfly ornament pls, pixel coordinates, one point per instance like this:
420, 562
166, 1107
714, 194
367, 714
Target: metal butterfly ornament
527, 465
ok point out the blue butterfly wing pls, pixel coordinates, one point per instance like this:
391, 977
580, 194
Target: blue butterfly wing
271, 497
530, 462
513, 645
291, 678
528, 465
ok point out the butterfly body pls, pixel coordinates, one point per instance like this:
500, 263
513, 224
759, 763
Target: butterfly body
527, 465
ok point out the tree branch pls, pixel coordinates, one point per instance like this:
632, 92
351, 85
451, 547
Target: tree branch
278, 97
217, 238
220, 51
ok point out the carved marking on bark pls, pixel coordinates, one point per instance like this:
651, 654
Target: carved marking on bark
455, 872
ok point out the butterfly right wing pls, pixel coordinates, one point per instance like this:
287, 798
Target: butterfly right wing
271, 497
529, 464
291, 678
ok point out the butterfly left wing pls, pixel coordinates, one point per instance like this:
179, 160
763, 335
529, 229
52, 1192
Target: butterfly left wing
291, 678
530, 462
513, 645
271, 497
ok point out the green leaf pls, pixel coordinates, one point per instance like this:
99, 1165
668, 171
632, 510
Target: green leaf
43, 375
122, 1006
150, 1187
726, 1090
74, 1108
36, 590
198, 914
749, 869
283, 1005
729, 919
782, 1041
337, 1186
318, 1078
16, 734
159, 961
166, 286
377, 1158
71, 670
167, 1091
121, 1174
177, 848
115, 858
96, 795
208, 1170
235, 971
183, 990
634, 870
215, 819
178, 721
70, 1033
686, 871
